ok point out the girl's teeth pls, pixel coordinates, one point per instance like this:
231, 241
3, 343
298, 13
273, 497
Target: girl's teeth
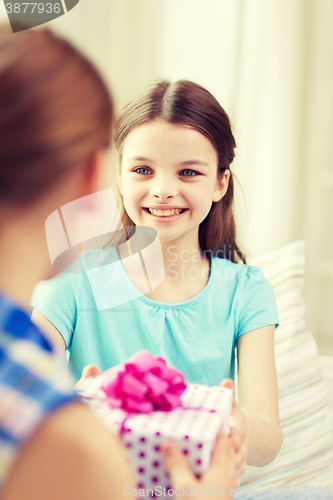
165, 213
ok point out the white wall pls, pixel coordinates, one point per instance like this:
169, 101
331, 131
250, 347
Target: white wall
119, 35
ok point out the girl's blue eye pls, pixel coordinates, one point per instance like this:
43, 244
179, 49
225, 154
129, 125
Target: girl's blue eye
189, 173
143, 170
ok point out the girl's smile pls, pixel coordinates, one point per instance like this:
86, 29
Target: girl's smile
168, 178
165, 213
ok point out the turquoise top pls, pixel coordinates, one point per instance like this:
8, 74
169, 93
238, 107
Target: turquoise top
197, 336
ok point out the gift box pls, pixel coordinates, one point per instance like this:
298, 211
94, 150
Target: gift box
146, 402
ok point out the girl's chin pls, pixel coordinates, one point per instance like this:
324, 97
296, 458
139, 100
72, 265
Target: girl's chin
165, 237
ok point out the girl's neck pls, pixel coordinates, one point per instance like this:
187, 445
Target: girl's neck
24, 259
186, 268
183, 262
180, 256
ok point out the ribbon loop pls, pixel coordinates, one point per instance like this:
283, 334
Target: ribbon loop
143, 384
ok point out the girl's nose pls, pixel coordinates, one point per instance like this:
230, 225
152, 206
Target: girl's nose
163, 189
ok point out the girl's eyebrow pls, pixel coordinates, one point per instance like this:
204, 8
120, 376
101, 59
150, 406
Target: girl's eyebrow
185, 163
141, 158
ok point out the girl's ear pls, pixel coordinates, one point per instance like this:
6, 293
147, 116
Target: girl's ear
93, 174
221, 187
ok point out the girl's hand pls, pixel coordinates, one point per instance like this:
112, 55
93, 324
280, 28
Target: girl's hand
222, 474
239, 433
88, 371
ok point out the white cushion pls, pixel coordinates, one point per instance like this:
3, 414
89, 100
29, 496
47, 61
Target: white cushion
306, 418
326, 363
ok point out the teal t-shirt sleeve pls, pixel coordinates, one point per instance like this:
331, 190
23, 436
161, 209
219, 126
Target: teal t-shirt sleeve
57, 299
257, 306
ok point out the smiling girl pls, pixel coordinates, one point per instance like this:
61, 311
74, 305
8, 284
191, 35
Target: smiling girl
175, 149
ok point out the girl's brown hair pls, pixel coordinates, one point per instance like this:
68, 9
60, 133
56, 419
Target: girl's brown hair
55, 111
189, 104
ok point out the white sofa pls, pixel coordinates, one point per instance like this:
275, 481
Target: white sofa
327, 368
305, 382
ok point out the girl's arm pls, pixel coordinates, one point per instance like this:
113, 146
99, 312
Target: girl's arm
258, 395
72, 456
49, 330
54, 336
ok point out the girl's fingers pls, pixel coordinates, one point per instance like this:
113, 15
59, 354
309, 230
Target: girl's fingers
176, 465
241, 469
224, 450
229, 383
241, 457
88, 371
237, 439
240, 463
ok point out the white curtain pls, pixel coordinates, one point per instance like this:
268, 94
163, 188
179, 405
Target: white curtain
249, 55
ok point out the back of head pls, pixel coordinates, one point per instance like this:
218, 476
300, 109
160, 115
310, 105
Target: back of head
187, 103
55, 111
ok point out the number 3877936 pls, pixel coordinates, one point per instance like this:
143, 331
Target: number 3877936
31, 7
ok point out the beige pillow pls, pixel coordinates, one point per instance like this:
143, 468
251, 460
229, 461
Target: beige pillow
306, 418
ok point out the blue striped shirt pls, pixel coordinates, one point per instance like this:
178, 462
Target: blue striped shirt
33, 382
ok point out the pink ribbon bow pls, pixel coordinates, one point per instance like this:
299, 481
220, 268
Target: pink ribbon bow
144, 384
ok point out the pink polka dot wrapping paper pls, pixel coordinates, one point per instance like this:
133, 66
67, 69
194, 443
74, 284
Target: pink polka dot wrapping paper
194, 426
